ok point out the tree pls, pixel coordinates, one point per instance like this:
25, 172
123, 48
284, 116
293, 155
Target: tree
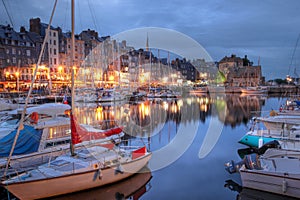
280, 81
220, 78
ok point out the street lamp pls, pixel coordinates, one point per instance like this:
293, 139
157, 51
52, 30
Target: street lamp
17, 75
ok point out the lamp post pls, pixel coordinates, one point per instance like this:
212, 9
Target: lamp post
17, 75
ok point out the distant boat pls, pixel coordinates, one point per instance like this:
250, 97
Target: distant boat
254, 90
110, 95
86, 95
199, 89
6, 104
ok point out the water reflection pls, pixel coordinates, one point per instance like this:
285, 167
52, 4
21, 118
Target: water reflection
144, 118
157, 122
240, 108
251, 194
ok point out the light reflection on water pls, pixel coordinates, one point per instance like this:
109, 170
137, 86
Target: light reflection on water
156, 124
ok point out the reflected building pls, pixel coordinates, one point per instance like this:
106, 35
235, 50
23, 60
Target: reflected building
240, 109
147, 118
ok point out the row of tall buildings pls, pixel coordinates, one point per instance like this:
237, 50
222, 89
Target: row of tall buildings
100, 61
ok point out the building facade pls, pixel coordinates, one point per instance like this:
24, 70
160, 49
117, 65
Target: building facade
18, 55
240, 72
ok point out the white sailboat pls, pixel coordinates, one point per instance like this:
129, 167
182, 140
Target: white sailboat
89, 167
42, 142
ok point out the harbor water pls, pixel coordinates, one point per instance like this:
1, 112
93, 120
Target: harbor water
191, 139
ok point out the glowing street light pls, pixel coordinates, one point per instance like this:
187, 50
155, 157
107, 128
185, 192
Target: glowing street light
17, 75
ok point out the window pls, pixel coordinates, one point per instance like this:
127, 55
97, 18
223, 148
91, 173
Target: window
54, 61
7, 51
14, 60
13, 51
54, 42
50, 50
54, 51
28, 52
54, 34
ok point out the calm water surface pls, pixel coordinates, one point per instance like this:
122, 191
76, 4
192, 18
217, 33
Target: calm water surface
193, 168
158, 123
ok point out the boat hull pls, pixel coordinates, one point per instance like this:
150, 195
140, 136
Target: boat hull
75, 182
285, 143
132, 186
279, 183
253, 140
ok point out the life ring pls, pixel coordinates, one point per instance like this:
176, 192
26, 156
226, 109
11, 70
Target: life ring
34, 118
95, 166
273, 113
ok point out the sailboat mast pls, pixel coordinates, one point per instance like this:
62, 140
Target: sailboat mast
72, 69
20, 127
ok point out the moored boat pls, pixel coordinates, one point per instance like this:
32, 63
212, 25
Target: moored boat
254, 90
130, 188
257, 138
279, 122
90, 167
276, 175
110, 95
275, 172
47, 138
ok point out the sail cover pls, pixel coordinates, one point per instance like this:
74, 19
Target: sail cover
28, 141
80, 134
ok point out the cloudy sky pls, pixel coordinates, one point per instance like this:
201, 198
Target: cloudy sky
265, 30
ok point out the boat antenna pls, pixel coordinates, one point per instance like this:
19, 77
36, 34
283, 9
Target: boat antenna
72, 71
20, 127
294, 51
10, 18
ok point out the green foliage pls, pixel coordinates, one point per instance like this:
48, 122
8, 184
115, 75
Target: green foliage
220, 78
280, 81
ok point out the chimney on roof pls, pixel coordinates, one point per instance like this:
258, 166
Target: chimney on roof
147, 43
22, 29
35, 25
